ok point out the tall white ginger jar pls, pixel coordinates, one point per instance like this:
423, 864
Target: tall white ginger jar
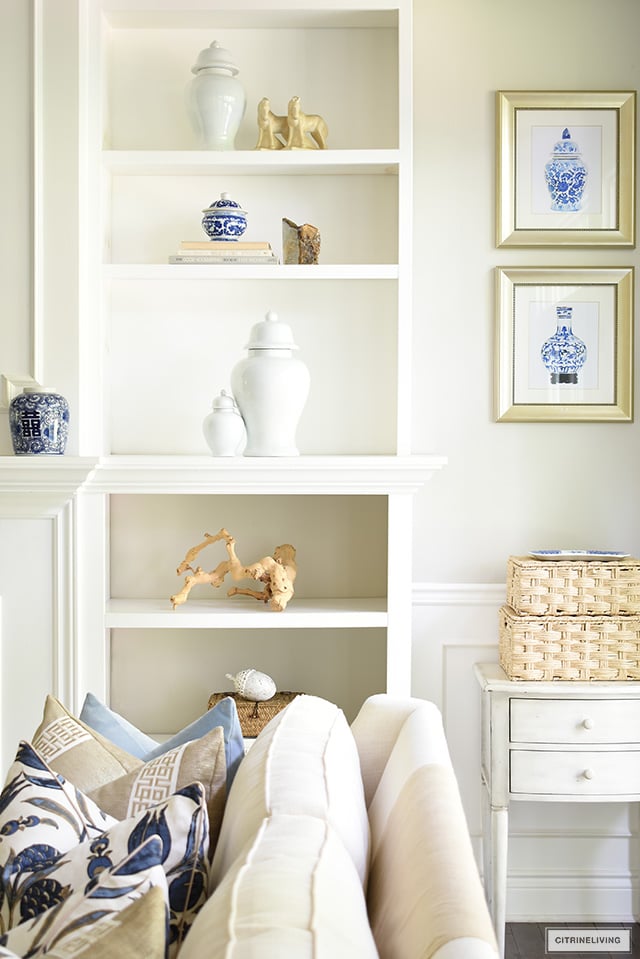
271, 387
216, 98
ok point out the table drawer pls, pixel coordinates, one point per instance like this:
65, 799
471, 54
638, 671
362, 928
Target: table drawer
574, 721
575, 773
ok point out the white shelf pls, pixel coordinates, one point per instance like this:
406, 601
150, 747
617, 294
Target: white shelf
331, 613
268, 14
251, 162
305, 475
198, 271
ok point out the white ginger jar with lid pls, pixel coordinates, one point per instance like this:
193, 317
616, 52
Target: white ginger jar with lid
223, 427
216, 98
271, 387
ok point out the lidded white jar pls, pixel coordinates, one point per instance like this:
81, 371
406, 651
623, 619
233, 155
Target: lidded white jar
271, 387
216, 98
223, 427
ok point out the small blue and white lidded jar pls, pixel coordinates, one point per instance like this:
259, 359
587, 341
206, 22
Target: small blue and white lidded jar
566, 175
39, 422
224, 219
564, 354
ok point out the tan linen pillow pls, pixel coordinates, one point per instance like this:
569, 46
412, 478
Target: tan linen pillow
304, 762
76, 751
293, 891
122, 785
202, 760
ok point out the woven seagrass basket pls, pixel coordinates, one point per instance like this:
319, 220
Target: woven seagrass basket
569, 647
254, 716
574, 588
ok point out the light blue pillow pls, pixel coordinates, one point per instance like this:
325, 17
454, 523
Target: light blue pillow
125, 735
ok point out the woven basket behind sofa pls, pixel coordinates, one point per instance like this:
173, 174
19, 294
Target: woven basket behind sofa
254, 716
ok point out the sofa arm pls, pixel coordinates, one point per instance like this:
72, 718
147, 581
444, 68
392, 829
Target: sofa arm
425, 899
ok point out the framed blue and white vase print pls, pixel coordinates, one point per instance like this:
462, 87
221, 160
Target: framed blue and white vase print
565, 169
564, 344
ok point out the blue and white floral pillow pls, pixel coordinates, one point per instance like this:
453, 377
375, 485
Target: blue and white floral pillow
39, 808
44, 858
85, 918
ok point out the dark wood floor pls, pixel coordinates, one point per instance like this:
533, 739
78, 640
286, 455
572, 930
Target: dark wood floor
525, 940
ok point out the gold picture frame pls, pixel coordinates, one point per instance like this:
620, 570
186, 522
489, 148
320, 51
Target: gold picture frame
541, 374
565, 170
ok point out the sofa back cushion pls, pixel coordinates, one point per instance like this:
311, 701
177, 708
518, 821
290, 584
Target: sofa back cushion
293, 891
304, 762
424, 890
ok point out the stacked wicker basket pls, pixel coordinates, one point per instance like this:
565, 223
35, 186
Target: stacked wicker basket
572, 620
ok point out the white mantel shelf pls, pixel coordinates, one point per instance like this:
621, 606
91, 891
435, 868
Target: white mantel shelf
39, 474
302, 613
346, 475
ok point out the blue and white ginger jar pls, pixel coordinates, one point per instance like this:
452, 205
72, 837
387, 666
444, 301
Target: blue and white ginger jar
566, 175
39, 422
224, 219
564, 354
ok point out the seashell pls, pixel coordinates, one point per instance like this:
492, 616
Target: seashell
252, 684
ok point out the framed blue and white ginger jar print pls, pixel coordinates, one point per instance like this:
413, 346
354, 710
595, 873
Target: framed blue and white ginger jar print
565, 169
564, 344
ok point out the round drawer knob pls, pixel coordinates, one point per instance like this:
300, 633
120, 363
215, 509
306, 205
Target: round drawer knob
587, 723
588, 774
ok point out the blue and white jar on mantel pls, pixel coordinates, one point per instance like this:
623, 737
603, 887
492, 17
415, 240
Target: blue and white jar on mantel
564, 354
39, 422
566, 175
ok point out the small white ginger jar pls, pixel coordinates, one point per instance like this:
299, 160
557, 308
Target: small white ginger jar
216, 98
271, 386
223, 427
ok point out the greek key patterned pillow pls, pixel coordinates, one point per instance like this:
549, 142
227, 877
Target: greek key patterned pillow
122, 784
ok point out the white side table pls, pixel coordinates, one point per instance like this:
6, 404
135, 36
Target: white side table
554, 742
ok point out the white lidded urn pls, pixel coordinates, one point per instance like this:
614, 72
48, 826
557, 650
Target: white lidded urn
217, 99
223, 427
271, 386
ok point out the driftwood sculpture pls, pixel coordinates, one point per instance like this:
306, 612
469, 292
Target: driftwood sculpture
277, 572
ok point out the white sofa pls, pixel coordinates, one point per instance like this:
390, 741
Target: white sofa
333, 842
345, 842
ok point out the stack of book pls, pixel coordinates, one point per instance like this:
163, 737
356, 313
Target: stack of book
224, 251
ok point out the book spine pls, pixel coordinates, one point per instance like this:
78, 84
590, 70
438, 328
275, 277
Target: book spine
210, 259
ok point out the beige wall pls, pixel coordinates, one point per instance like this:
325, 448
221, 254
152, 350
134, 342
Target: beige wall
509, 487
15, 187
